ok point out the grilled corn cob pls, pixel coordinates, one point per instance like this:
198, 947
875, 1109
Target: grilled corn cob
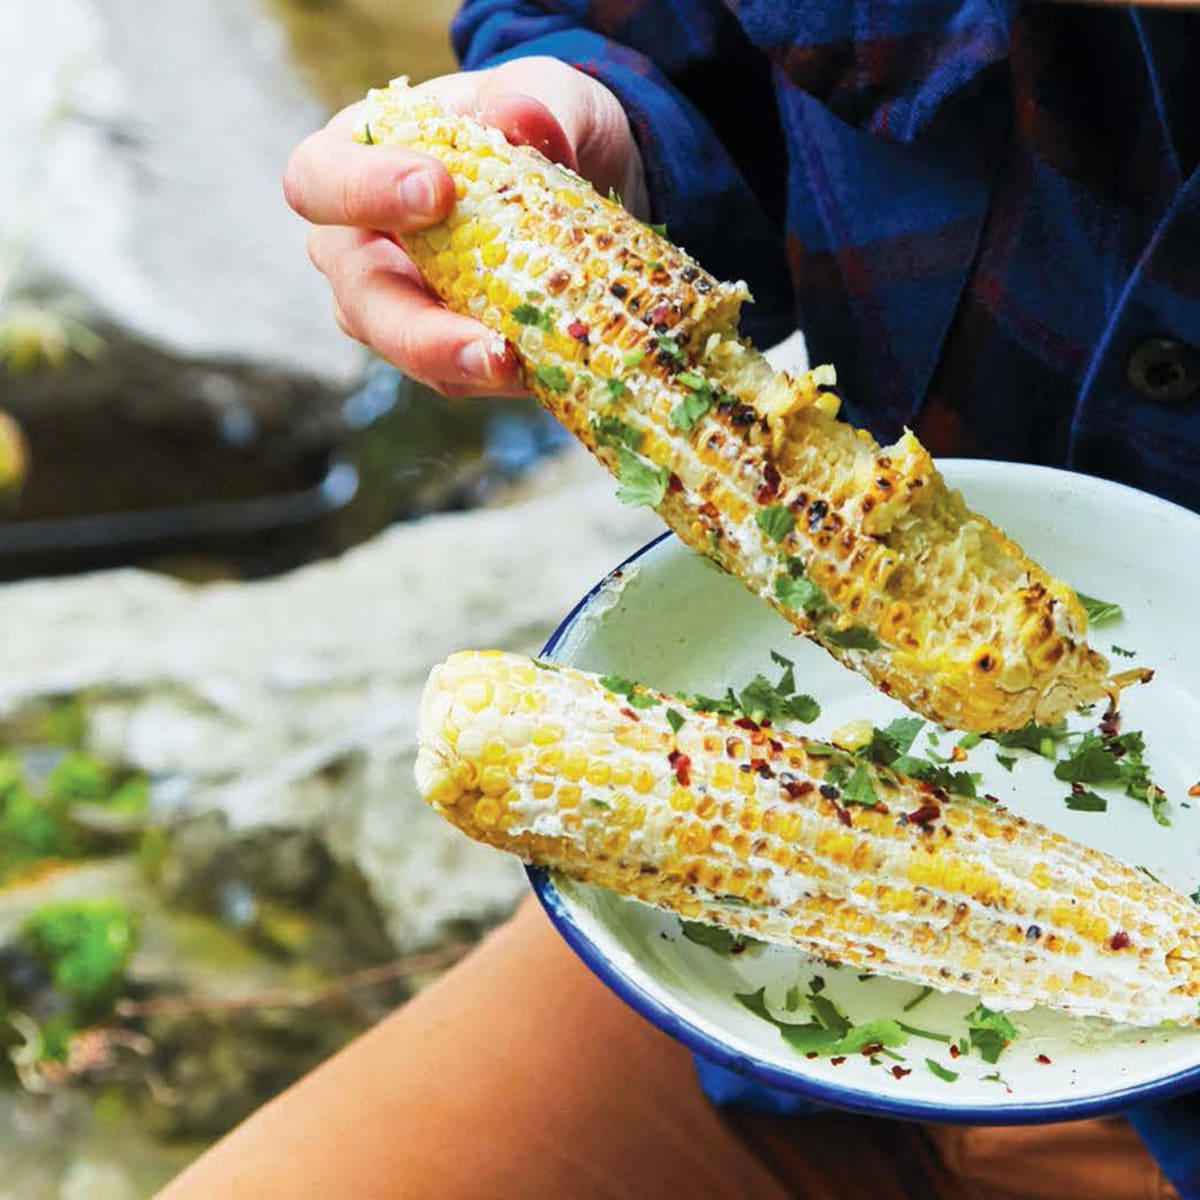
629, 343
741, 826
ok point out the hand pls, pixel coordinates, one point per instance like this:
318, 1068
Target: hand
357, 197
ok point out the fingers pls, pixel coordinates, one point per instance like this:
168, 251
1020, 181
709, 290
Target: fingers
380, 301
330, 180
528, 122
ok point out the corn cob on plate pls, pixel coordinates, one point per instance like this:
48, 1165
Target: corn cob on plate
669, 620
628, 342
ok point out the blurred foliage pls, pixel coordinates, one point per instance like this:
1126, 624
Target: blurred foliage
52, 821
85, 945
347, 46
32, 338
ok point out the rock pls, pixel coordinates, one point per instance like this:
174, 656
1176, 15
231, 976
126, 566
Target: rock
143, 148
294, 700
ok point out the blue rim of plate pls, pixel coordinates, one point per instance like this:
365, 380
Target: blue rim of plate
836, 1095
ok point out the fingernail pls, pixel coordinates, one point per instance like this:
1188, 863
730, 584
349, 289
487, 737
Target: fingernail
419, 194
475, 363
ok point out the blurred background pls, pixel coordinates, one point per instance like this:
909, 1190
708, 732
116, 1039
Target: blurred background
231, 547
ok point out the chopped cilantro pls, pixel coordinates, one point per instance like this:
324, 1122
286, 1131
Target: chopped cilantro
675, 719
1195, 896
922, 995
661, 230
631, 358
760, 700
853, 638
1123, 652
714, 938
776, 522
640, 483
995, 1077
816, 984
858, 789
927, 1034
794, 589
941, 1072
553, 376
1007, 761
1089, 762
542, 665
1086, 801
620, 686
969, 741
615, 388
690, 409
595, 802
1099, 612
670, 347
990, 1032
530, 314
1041, 739
958, 783
888, 744
791, 1001
612, 431
694, 380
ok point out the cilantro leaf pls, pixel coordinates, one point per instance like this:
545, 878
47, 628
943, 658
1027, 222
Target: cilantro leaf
552, 376
941, 1072
1089, 762
927, 1034
969, 741
675, 719
530, 314
1099, 612
1007, 761
615, 388
1041, 739
670, 347
1086, 801
612, 431
640, 483
888, 744
713, 937
620, 686
858, 789
990, 1032
793, 589
693, 380
776, 522
690, 409
855, 637
631, 358
1123, 652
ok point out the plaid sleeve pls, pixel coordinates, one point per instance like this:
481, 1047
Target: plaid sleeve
726, 206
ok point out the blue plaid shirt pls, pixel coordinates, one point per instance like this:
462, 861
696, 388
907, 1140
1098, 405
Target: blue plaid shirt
986, 213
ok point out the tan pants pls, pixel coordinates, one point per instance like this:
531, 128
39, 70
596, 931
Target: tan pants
518, 1075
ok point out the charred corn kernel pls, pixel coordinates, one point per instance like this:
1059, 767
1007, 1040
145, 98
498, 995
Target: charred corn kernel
903, 582
993, 908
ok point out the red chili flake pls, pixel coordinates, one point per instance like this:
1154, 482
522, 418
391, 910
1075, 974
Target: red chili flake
659, 315
954, 1050
578, 330
674, 484
760, 765
1044, 1059
737, 948
811, 1054
503, 188
796, 790
776, 747
871, 1048
733, 747
682, 765
837, 1062
769, 488
746, 723
843, 815
925, 815
899, 1072
1110, 724
628, 712
1119, 940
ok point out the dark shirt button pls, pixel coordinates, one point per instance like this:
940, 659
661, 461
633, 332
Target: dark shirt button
1164, 370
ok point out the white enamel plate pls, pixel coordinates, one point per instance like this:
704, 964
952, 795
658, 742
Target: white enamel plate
668, 619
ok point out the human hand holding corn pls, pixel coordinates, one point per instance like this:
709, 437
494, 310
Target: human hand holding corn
357, 200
